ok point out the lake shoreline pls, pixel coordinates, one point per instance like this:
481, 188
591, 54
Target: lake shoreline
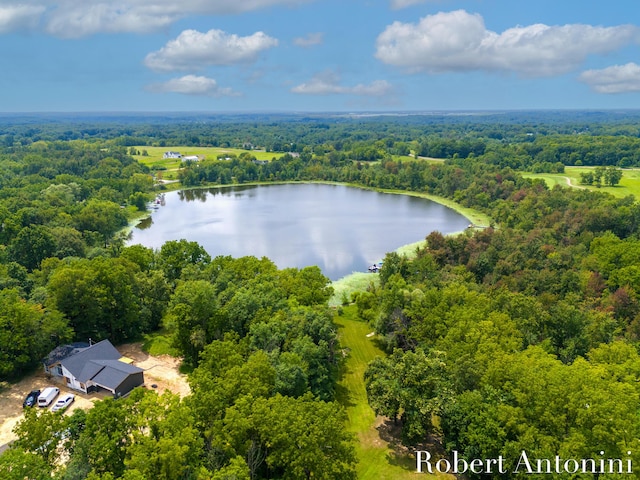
356, 280
475, 217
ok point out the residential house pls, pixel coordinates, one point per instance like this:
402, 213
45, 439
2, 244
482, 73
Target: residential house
89, 368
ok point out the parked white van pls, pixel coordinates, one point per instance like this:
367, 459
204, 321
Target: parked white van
47, 396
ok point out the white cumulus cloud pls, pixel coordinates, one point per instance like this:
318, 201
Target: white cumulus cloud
19, 16
193, 85
310, 40
72, 19
615, 79
328, 83
459, 41
193, 50
78, 18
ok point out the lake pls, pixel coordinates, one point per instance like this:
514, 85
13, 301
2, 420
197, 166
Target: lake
341, 229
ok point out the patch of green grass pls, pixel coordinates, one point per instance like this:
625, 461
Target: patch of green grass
377, 459
169, 167
551, 179
159, 343
431, 159
356, 282
411, 250
403, 158
155, 154
629, 184
185, 368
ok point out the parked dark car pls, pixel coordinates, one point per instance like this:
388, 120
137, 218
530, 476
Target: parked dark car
31, 399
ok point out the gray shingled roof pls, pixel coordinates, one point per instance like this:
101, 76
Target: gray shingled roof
113, 373
100, 351
63, 351
89, 371
99, 363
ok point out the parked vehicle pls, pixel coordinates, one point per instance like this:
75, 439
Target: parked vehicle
47, 396
63, 402
31, 399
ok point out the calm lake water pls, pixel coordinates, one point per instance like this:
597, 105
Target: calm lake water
341, 229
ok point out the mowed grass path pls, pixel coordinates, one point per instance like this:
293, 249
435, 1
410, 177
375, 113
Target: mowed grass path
377, 459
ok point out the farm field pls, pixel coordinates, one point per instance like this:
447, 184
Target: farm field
172, 165
629, 185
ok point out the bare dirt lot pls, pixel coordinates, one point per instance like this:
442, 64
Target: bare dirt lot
161, 371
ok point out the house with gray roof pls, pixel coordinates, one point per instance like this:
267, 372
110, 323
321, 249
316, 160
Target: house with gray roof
90, 368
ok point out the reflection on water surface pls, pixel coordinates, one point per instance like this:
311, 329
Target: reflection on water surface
341, 229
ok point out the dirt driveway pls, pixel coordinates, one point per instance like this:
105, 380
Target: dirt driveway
161, 371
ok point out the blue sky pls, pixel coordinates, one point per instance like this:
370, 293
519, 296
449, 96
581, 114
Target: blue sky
318, 55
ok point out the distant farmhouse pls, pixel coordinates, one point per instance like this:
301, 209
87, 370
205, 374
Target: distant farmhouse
172, 155
192, 158
89, 368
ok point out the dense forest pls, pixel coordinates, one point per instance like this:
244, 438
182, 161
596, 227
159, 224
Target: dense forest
522, 336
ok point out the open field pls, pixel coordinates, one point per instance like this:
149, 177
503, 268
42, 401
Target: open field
380, 455
432, 159
155, 154
403, 158
553, 179
629, 184
154, 157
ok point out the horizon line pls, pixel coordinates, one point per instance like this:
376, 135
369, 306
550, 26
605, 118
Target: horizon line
309, 112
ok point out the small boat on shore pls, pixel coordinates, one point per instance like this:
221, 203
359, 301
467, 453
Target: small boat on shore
375, 268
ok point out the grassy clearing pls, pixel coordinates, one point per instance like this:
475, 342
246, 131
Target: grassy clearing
431, 159
356, 282
159, 343
551, 179
360, 281
209, 153
378, 459
171, 166
629, 184
373, 453
402, 158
